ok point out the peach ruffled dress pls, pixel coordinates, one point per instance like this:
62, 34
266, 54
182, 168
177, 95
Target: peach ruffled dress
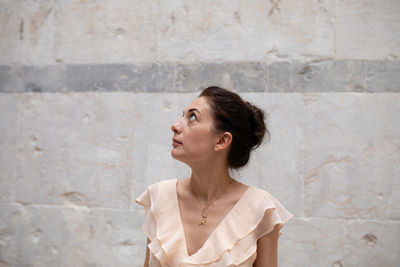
232, 243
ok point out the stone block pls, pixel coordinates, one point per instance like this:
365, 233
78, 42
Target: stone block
106, 32
338, 242
326, 76
28, 37
8, 152
345, 76
381, 75
243, 77
120, 77
43, 78
75, 148
118, 239
244, 30
10, 79
312, 242
276, 166
278, 76
11, 219
72, 237
351, 155
367, 29
372, 243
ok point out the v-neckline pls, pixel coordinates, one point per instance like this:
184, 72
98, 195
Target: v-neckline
213, 231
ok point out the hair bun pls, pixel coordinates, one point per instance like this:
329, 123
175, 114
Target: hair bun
243, 120
257, 124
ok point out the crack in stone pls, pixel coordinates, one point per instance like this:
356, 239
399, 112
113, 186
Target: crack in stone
74, 198
370, 239
275, 7
21, 30
312, 177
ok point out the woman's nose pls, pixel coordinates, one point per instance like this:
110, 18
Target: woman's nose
176, 127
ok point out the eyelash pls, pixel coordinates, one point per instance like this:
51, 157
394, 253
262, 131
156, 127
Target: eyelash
190, 115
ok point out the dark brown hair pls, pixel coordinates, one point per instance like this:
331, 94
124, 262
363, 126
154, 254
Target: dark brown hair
242, 119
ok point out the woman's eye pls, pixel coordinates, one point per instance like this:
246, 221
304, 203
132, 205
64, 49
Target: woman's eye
192, 116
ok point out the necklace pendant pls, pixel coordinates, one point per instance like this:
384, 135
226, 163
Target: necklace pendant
204, 214
203, 222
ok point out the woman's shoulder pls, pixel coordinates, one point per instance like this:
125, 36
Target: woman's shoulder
156, 191
261, 193
163, 183
266, 201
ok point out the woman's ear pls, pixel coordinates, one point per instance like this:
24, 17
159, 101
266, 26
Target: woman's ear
223, 141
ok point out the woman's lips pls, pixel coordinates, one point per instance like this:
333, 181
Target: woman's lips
176, 143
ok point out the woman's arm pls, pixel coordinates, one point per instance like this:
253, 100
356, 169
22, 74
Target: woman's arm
146, 260
267, 249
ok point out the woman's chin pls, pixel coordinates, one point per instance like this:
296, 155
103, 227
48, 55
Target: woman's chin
175, 154
178, 156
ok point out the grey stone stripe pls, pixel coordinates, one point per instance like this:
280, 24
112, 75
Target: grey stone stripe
289, 76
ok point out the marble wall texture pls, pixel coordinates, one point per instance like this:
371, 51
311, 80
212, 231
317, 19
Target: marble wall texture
89, 89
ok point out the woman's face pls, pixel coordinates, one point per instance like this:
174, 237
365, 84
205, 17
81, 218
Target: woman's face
194, 133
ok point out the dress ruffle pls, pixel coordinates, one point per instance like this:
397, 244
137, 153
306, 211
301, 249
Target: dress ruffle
166, 241
232, 243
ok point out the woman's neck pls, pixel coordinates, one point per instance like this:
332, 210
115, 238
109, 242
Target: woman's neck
209, 182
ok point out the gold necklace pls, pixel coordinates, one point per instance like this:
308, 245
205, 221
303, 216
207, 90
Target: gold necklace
204, 211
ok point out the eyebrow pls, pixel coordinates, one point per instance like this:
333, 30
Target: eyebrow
192, 109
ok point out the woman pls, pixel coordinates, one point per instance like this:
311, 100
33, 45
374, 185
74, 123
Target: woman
210, 219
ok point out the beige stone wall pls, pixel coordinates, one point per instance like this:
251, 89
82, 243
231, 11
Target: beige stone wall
48, 32
89, 89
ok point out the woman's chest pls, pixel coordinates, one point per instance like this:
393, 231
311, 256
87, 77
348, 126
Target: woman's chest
199, 225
